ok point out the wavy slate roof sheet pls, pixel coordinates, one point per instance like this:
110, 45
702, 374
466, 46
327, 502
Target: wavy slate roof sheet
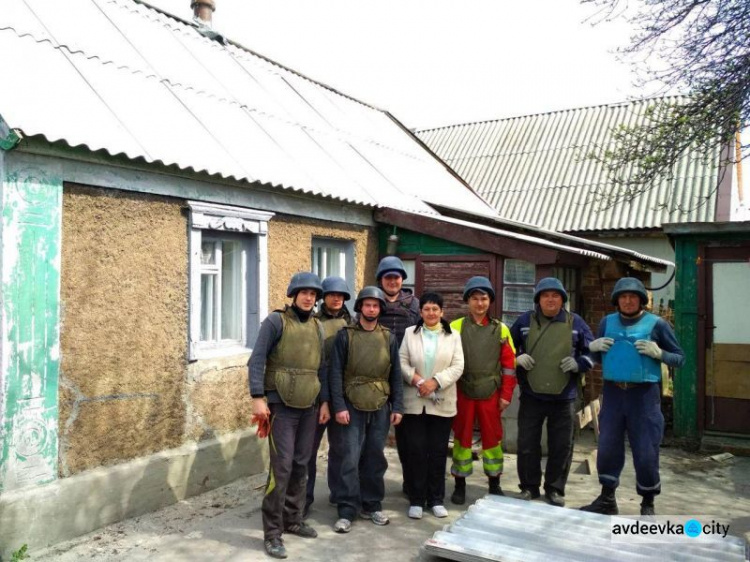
534, 169
118, 76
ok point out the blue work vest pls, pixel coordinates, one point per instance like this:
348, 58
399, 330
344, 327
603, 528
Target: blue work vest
623, 363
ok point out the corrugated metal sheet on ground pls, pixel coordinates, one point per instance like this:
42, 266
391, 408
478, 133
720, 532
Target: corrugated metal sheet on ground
121, 77
535, 169
507, 529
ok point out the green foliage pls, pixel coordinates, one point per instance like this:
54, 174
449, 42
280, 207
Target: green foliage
700, 48
20, 554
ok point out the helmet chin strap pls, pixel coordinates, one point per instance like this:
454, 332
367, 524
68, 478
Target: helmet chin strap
637, 313
370, 318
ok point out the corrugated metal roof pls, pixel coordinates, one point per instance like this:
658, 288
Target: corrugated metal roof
118, 76
534, 169
501, 528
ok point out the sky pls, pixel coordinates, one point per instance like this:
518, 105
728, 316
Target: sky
438, 62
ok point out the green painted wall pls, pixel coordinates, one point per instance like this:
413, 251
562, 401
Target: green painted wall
31, 208
415, 243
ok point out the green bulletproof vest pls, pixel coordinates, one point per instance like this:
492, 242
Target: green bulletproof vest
481, 377
331, 327
549, 343
292, 366
368, 367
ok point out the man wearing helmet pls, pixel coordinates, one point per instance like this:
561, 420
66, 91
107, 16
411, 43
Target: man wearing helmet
631, 345
484, 390
552, 347
366, 394
401, 307
289, 387
333, 315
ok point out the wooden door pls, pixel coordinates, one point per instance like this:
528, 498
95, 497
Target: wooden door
727, 340
447, 275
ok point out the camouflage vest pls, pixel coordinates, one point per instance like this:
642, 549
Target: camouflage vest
482, 368
331, 327
368, 368
292, 366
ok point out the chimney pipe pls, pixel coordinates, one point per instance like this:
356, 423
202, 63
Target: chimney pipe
203, 10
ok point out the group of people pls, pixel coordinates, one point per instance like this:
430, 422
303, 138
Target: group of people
398, 362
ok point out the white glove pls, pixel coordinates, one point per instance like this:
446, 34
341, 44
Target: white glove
601, 344
569, 365
526, 361
649, 348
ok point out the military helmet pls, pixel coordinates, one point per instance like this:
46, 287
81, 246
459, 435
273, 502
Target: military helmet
369, 292
630, 285
549, 284
334, 284
481, 283
390, 264
304, 280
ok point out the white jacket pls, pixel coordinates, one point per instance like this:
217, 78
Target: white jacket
448, 368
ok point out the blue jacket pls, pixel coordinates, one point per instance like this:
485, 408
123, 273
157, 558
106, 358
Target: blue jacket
582, 337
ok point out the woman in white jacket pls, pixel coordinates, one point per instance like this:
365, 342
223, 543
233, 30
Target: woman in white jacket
432, 360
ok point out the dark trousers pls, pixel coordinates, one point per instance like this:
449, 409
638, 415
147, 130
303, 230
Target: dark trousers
560, 415
312, 466
356, 461
290, 445
637, 412
425, 442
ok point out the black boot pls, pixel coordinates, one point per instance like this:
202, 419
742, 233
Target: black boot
495, 489
606, 504
459, 492
647, 505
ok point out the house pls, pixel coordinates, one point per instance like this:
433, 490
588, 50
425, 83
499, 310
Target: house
159, 185
712, 393
534, 169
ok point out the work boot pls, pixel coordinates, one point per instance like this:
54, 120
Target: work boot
647, 506
606, 504
302, 529
459, 492
528, 495
275, 547
495, 489
554, 497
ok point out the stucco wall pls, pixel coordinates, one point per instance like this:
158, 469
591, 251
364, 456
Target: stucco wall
123, 326
289, 247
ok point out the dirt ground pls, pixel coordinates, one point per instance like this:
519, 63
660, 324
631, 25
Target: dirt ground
225, 524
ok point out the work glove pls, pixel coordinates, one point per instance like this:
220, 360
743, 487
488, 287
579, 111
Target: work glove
569, 365
263, 423
526, 361
601, 344
648, 348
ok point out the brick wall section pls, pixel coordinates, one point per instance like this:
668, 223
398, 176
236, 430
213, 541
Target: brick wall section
597, 282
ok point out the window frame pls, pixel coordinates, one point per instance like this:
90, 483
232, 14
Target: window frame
210, 221
346, 247
513, 285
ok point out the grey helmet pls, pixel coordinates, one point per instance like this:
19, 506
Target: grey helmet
304, 280
335, 284
388, 264
549, 284
630, 285
481, 283
369, 292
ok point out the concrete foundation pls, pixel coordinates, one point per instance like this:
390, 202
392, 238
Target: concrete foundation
70, 507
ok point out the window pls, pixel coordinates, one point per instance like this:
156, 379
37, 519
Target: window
519, 278
334, 257
228, 278
569, 278
411, 275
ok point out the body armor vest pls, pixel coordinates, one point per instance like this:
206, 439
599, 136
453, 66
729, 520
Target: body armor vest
292, 366
368, 368
331, 327
623, 363
548, 344
481, 377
